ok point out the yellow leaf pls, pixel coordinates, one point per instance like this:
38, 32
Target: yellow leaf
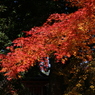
91, 86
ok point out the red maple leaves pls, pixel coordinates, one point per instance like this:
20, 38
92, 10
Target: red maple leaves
68, 35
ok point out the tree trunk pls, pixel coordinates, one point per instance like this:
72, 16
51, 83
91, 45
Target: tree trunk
56, 85
56, 80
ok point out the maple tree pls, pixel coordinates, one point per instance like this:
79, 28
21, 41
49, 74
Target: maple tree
61, 36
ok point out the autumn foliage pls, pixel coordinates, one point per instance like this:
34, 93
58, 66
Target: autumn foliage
61, 36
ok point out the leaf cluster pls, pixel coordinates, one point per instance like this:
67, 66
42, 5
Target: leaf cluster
62, 36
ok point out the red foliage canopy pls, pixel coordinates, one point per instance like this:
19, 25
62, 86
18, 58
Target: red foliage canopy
81, 3
69, 35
